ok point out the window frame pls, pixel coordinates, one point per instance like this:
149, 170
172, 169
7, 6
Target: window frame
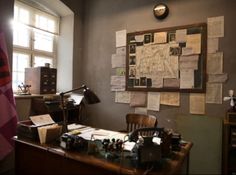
33, 11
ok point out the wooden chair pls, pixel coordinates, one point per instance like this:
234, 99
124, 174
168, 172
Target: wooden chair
135, 121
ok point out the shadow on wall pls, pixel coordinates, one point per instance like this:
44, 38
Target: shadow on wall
206, 134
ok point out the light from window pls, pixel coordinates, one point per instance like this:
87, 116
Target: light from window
43, 41
45, 23
20, 62
40, 61
21, 15
21, 35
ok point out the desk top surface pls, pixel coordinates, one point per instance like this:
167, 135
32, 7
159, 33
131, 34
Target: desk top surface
171, 164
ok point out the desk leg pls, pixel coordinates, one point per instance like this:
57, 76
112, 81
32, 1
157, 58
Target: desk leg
187, 168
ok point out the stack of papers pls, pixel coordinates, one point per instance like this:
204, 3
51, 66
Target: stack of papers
48, 130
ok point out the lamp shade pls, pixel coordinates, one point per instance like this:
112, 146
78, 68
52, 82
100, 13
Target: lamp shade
90, 96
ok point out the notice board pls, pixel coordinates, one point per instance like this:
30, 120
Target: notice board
168, 59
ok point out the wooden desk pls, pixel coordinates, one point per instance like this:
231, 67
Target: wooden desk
33, 158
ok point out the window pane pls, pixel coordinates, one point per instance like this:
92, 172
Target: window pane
40, 61
20, 62
24, 16
43, 41
21, 15
21, 35
45, 23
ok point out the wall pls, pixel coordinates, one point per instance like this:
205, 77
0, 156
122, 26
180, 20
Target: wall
103, 18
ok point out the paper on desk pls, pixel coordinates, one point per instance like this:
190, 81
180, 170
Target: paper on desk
128, 146
101, 134
75, 126
87, 133
40, 120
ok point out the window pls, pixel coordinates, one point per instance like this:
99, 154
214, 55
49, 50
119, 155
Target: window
34, 40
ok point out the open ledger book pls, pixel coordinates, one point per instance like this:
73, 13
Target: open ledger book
48, 130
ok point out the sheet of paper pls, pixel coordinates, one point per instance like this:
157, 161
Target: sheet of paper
122, 97
214, 93
217, 78
77, 98
215, 27
87, 134
160, 37
197, 103
188, 65
121, 38
117, 83
189, 58
153, 101
187, 50
117, 80
181, 36
117, 60
49, 133
140, 110
116, 88
74, 126
171, 82
120, 71
121, 50
215, 63
40, 120
212, 45
138, 99
170, 98
194, 42
186, 79
188, 62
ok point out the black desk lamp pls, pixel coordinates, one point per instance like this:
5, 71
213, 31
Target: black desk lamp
89, 96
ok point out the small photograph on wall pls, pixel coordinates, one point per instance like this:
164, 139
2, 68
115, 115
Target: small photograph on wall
147, 38
143, 81
149, 82
171, 37
132, 48
132, 60
132, 71
136, 82
175, 51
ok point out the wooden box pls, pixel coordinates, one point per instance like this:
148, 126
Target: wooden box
26, 129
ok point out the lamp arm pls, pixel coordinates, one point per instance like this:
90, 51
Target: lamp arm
72, 90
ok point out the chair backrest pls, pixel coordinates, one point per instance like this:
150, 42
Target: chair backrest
135, 121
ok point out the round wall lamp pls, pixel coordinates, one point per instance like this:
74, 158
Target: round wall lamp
161, 11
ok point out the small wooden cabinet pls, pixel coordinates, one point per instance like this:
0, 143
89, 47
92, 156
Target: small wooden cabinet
43, 80
229, 144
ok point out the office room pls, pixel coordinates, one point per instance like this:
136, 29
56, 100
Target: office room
171, 61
